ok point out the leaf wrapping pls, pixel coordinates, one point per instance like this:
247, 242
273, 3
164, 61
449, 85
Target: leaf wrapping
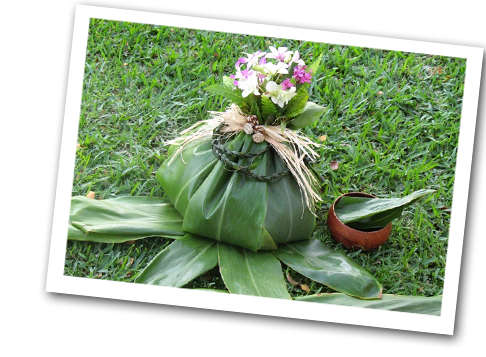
230, 207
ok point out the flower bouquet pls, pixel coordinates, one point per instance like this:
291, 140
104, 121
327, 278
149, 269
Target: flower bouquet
241, 193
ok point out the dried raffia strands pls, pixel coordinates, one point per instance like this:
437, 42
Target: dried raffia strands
290, 146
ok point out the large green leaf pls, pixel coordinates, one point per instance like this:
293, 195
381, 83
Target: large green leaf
311, 113
182, 261
288, 218
228, 207
122, 219
326, 266
181, 176
370, 213
414, 304
249, 273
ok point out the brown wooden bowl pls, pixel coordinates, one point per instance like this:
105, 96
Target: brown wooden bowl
353, 238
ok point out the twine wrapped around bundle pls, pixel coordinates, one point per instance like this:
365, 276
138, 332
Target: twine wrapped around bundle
289, 145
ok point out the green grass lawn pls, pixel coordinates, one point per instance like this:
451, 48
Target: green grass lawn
391, 124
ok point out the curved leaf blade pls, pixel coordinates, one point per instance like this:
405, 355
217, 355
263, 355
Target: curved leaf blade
181, 176
249, 273
369, 213
311, 113
179, 263
121, 219
413, 304
326, 266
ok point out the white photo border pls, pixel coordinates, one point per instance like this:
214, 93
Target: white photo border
58, 283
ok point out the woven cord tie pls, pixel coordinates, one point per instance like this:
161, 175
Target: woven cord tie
226, 156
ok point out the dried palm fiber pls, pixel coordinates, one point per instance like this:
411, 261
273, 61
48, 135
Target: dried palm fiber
234, 190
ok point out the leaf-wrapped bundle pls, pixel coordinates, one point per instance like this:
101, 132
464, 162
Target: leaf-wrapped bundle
218, 202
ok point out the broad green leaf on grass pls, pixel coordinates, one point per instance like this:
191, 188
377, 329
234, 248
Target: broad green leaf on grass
326, 266
230, 94
415, 304
121, 219
311, 113
182, 261
182, 175
249, 273
297, 103
371, 213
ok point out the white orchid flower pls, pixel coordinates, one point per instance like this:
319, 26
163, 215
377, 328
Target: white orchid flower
278, 95
281, 54
279, 68
287, 95
253, 58
296, 59
248, 82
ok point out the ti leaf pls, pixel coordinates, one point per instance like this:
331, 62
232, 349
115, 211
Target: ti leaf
329, 267
182, 261
391, 302
122, 219
249, 273
364, 213
310, 114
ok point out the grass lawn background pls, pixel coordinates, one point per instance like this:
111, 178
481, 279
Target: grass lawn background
391, 124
